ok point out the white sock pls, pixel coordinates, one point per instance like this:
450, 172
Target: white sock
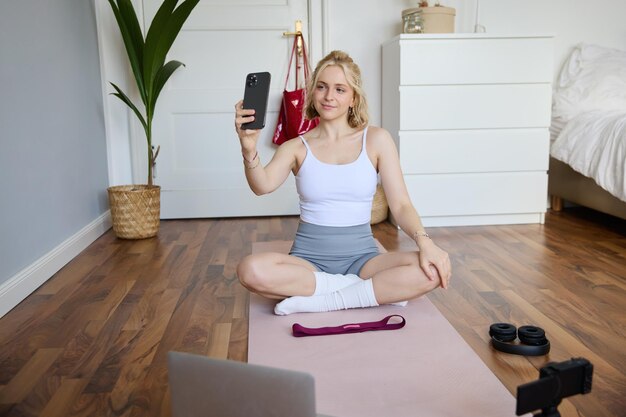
326, 283
358, 295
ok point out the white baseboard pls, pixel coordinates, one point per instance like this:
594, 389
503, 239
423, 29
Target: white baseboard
22, 284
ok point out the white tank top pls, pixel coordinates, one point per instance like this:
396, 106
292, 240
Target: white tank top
336, 195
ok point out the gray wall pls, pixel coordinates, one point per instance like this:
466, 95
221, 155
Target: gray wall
53, 164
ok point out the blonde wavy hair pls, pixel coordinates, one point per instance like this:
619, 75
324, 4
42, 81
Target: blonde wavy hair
358, 116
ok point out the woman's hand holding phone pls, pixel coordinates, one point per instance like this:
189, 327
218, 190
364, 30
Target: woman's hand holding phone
250, 120
247, 137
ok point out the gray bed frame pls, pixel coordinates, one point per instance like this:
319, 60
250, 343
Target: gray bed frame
566, 184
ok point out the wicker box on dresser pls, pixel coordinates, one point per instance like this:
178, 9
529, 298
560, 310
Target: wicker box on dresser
470, 115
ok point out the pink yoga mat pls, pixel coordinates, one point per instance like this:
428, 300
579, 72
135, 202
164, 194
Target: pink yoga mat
424, 369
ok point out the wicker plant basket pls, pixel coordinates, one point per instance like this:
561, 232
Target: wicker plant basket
135, 210
380, 207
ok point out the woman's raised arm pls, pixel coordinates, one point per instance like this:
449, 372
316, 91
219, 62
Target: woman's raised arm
262, 179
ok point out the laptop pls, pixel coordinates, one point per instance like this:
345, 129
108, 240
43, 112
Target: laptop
206, 387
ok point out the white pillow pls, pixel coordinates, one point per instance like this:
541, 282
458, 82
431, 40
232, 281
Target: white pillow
592, 78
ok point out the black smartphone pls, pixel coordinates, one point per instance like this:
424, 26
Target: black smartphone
255, 97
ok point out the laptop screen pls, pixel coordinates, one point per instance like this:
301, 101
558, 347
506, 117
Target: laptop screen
202, 386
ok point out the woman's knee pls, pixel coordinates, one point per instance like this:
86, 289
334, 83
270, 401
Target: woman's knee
433, 282
250, 273
421, 282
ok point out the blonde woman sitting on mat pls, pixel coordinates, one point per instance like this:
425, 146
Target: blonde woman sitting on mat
334, 263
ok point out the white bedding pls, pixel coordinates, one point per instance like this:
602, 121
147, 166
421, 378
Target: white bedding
594, 144
588, 128
592, 78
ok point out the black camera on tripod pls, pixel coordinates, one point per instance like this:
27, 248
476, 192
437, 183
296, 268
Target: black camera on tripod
556, 381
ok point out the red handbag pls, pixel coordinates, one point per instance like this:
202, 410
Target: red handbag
291, 120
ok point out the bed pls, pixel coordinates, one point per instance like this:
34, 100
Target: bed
588, 131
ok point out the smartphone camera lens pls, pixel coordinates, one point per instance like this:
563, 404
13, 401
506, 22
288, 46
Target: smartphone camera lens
252, 80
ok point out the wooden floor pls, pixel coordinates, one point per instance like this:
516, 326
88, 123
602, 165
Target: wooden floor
92, 341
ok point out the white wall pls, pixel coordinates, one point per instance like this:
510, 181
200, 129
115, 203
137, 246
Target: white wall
571, 21
359, 27
53, 172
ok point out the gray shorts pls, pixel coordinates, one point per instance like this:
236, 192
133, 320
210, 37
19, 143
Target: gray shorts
336, 250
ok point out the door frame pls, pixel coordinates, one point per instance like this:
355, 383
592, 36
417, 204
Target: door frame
120, 124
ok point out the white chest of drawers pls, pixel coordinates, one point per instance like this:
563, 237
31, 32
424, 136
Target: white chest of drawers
470, 116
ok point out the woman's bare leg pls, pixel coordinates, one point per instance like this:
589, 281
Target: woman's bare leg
397, 276
387, 279
276, 275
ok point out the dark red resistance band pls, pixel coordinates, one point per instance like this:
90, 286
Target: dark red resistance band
301, 331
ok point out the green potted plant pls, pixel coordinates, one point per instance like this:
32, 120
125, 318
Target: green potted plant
135, 209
